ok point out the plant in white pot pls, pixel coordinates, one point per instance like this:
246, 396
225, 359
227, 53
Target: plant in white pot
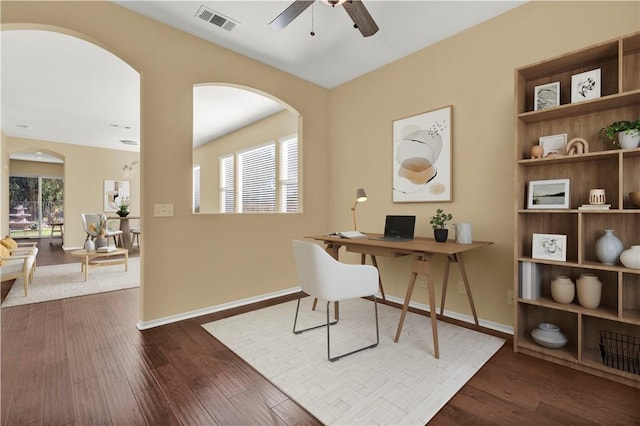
628, 134
439, 224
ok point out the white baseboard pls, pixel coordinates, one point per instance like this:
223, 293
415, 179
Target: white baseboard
458, 316
144, 325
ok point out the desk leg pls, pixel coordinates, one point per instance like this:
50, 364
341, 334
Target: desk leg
445, 282
422, 265
463, 272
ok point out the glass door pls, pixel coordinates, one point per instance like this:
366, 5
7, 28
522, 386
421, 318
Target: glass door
34, 204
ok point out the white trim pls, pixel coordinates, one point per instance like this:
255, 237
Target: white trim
144, 325
212, 309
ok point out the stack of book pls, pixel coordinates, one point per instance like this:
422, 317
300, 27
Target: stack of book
594, 207
530, 280
107, 249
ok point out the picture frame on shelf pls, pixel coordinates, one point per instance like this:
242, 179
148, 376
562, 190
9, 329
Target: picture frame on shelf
546, 96
586, 85
553, 144
549, 247
548, 194
422, 157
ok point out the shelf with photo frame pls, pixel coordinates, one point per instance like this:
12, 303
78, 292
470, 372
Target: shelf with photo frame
614, 171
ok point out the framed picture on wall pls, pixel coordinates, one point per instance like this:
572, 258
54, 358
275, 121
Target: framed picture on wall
586, 85
546, 96
114, 191
422, 155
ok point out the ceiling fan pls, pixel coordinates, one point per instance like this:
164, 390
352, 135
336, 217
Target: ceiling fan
355, 9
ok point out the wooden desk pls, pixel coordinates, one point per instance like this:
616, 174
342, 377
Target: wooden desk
423, 249
89, 259
125, 238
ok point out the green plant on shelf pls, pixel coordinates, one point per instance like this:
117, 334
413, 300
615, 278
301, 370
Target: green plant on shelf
607, 134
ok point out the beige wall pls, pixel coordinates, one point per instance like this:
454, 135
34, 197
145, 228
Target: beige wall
196, 261
272, 128
474, 72
84, 171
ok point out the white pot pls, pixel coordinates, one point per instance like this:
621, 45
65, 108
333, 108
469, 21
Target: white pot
631, 257
629, 139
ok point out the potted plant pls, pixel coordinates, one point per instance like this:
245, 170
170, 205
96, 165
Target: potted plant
439, 224
628, 134
123, 207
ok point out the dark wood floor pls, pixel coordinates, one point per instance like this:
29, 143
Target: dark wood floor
82, 361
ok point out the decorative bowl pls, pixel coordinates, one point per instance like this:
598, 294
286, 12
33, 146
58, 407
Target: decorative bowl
549, 336
634, 197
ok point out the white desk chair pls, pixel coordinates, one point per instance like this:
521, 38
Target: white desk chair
323, 277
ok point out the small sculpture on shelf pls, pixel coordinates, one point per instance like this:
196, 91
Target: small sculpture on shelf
536, 151
577, 146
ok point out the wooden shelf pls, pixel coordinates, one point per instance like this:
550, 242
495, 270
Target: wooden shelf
614, 170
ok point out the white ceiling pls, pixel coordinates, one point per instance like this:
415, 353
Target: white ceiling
59, 88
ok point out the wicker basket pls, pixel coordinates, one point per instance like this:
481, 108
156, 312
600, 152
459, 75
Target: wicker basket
620, 351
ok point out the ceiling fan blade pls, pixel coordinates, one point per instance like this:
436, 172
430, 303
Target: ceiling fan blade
290, 13
360, 16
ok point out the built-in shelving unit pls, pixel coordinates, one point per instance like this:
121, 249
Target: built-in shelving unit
615, 170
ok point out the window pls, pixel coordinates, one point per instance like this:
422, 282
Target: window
196, 188
261, 179
227, 185
289, 175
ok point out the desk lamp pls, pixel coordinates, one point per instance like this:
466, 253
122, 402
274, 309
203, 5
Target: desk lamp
360, 197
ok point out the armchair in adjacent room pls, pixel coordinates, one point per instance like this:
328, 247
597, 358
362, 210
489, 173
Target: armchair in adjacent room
19, 265
327, 279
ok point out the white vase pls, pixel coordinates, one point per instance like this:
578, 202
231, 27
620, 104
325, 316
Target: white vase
89, 246
589, 291
631, 257
608, 248
629, 139
463, 233
563, 290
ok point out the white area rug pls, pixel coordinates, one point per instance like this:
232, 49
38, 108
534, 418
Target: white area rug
64, 281
393, 384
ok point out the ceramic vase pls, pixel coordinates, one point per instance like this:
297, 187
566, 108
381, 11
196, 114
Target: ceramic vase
608, 248
89, 246
463, 233
100, 242
563, 290
589, 291
631, 257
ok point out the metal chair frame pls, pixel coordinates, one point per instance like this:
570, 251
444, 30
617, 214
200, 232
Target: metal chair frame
328, 325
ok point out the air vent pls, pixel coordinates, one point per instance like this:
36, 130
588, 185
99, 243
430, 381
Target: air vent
216, 18
128, 142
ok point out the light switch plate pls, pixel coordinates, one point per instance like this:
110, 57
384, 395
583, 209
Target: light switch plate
163, 210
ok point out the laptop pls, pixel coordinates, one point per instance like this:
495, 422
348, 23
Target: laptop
398, 228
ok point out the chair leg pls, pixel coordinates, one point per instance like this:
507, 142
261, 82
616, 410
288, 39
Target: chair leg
295, 321
335, 358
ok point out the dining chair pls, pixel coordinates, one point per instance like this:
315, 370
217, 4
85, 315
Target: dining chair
96, 218
325, 278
